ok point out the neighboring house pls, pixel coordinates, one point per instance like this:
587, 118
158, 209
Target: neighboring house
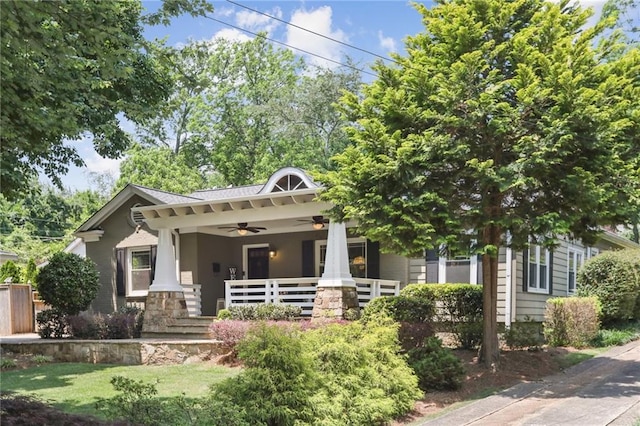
253, 242
6, 256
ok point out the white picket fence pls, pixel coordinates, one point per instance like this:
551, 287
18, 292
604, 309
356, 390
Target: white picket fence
299, 291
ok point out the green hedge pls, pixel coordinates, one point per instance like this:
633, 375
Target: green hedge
458, 309
614, 278
401, 308
571, 321
261, 311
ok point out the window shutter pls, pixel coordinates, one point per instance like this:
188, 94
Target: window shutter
373, 259
153, 252
308, 258
432, 255
525, 269
120, 261
550, 272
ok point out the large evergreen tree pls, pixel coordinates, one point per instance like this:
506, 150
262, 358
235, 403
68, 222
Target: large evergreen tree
502, 125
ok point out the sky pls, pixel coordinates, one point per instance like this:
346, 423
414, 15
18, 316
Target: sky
364, 30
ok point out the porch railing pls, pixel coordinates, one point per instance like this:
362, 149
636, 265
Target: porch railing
299, 291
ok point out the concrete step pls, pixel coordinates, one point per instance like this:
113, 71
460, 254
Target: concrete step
177, 336
200, 321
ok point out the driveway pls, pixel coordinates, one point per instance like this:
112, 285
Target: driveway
604, 390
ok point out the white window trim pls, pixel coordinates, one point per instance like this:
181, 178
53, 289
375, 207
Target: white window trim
575, 250
319, 243
537, 289
130, 251
245, 257
473, 268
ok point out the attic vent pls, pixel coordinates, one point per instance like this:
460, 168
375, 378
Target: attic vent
137, 217
289, 183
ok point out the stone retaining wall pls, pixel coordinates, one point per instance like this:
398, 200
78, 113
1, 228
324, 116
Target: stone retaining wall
128, 352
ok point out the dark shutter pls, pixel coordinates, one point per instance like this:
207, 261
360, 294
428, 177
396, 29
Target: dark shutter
550, 272
525, 269
432, 255
120, 260
373, 259
308, 258
154, 252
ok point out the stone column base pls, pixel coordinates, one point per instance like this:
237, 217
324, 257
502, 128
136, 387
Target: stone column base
333, 302
162, 309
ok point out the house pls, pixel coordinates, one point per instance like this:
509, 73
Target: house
270, 242
6, 256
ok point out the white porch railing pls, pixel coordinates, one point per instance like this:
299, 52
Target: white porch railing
192, 295
299, 291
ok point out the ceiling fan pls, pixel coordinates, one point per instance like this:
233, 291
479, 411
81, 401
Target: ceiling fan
316, 221
242, 228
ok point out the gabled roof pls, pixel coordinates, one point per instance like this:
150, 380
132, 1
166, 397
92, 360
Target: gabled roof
222, 193
153, 196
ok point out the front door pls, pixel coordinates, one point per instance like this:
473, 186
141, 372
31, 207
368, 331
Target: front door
258, 263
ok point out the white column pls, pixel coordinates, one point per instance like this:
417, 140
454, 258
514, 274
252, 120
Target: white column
165, 275
336, 264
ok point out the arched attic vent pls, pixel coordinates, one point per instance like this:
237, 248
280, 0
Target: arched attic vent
288, 179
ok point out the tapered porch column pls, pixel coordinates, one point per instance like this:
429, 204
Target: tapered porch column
336, 292
165, 300
165, 275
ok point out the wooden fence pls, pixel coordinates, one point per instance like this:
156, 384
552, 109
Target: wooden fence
16, 309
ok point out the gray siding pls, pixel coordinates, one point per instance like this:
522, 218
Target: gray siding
116, 227
394, 267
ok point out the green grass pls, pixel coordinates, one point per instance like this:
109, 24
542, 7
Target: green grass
573, 358
617, 335
75, 387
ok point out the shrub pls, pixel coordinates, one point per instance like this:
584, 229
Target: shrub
52, 324
571, 321
87, 326
262, 311
124, 324
224, 314
27, 410
399, 308
437, 368
524, 334
458, 309
614, 278
363, 378
10, 270
278, 382
41, 359
7, 363
31, 273
69, 283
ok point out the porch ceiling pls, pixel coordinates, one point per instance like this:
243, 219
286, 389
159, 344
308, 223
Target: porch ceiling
277, 208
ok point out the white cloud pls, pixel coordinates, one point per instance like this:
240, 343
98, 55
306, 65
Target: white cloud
319, 21
257, 22
98, 164
231, 34
224, 11
387, 43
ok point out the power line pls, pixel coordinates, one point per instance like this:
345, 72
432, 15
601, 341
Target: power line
292, 47
315, 33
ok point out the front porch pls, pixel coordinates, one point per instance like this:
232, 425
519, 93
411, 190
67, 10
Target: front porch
299, 292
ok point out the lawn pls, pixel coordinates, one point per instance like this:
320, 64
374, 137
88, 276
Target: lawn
75, 387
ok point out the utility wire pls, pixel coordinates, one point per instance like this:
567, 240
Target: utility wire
315, 33
292, 47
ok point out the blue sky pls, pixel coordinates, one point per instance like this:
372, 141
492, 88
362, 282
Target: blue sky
374, 26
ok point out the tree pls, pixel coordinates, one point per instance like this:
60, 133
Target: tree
158, 168
502, 126
68, 283
68, 69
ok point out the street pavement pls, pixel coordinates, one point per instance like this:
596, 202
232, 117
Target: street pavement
604, 390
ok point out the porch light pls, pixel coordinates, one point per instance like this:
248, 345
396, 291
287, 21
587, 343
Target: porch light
358, 260
242, 231
272, 253
318, 225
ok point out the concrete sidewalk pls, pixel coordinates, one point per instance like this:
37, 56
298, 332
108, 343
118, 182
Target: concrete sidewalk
604, 390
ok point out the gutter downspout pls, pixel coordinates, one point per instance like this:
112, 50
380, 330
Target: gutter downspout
508, 284
176, 244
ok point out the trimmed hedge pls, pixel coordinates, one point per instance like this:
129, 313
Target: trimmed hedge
614, 278
400, 308
571, 321
458, 309
261, 311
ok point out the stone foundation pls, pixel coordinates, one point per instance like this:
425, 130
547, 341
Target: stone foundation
333, 302
162, 309
129, 352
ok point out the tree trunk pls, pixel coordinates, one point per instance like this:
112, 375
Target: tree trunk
490, 350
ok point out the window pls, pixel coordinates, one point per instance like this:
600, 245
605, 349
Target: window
140, 271
537, 265
574, 262
459, 268
289, 183
357, 248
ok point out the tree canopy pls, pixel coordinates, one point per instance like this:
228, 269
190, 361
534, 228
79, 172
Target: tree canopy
502, 125
69, 68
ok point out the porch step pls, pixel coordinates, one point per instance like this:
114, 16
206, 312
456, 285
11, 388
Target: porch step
204, 321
